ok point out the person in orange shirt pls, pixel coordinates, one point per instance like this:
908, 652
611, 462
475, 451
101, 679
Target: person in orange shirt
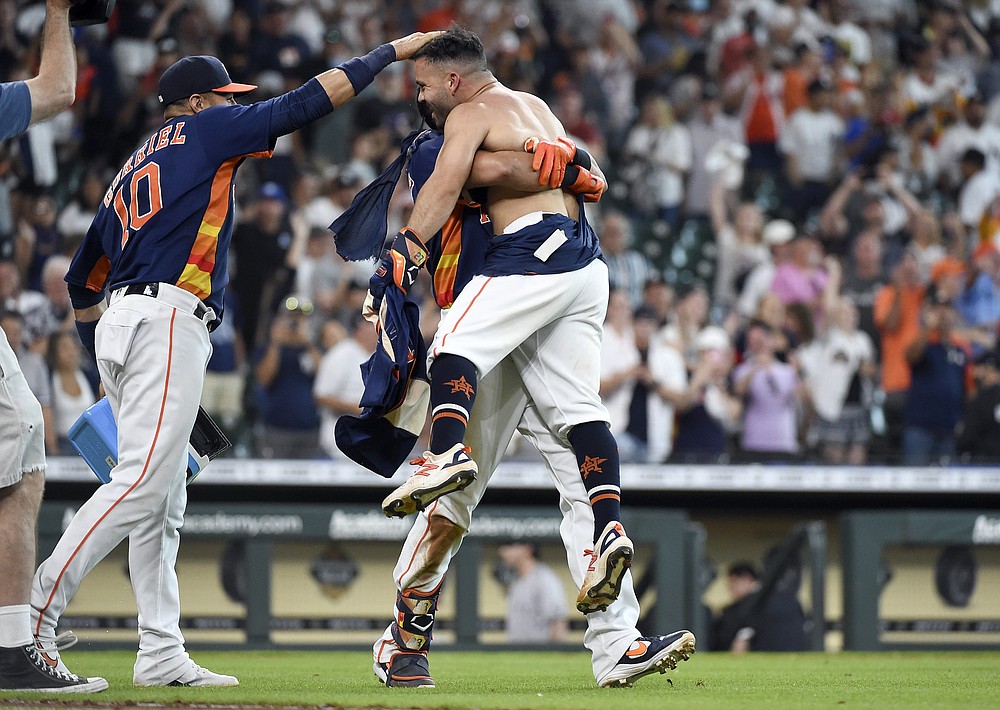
897, 317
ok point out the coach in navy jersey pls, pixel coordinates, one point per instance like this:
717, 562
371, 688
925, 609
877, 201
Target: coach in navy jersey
157, 252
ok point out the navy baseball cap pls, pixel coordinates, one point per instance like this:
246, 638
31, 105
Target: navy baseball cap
196, 75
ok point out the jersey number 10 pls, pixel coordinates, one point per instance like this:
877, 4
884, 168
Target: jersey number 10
145, 200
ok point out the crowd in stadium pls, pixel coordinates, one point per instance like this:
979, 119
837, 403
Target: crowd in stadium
802, 222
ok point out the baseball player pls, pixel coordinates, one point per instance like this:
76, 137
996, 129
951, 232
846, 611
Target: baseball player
620, 656
22, 448
157, 250
540, 298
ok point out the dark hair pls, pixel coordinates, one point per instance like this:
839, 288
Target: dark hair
456, 46
975, 157
52, 348
743, 569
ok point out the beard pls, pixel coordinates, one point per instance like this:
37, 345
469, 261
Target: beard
424, 109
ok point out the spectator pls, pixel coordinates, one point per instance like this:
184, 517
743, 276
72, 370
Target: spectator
803, 278
740, 244
838, 370
666, 47
285, 371
863, 277
71, 392
971, 132
620, 365
979, 302
771, 391
338, 386
918, 161
979, 434
778, 625
941, 367
260, 247
645, 405
658, 153
690, 316
707, 412
757, 92
628, 269
712, 132
810, 141
776, 235
980, 189
658, 297
225, 378
34, 369
897, 317
536, 606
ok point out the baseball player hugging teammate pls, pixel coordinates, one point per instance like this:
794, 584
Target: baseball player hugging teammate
157, 254
521, 335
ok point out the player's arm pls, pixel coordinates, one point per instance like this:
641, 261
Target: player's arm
346, 81
513, 170
54, 89
465, 131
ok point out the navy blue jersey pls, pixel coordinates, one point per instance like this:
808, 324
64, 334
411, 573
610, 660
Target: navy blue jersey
458, 251
168, 214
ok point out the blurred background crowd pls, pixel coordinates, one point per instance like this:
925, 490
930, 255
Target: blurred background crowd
802, 222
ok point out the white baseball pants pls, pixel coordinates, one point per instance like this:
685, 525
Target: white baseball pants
152, 354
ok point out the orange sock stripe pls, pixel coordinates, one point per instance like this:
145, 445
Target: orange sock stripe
453, 415
606, 496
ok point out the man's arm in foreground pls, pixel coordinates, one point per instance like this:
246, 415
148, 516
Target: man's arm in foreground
54, 89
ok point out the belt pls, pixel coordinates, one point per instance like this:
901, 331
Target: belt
152, 289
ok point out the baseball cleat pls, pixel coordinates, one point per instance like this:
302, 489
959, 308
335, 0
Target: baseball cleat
609, 562
193, 676
25, 670
437, 475
650, 654
405, 670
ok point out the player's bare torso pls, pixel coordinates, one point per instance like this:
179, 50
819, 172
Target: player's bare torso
511, 117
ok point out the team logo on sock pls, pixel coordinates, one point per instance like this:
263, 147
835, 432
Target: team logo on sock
591, 464
461, 385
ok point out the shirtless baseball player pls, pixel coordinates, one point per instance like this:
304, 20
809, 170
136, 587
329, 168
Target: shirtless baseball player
158, 250
540, 298
620, 656
22, 450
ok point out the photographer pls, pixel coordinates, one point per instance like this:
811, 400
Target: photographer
284, 374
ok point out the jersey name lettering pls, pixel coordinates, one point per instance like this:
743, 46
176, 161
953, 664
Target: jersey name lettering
160, 139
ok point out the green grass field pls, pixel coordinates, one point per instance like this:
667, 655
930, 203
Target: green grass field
515, 681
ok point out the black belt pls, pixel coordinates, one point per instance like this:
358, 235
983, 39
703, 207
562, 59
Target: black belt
152, 290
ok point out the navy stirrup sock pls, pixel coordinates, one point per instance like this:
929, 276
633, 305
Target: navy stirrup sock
453, 392
597, 455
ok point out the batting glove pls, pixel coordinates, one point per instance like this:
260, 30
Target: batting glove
581, 181
551, 158
407, 254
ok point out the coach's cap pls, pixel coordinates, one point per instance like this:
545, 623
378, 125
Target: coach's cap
196, 75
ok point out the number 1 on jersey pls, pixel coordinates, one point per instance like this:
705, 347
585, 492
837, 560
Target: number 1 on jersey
133, 216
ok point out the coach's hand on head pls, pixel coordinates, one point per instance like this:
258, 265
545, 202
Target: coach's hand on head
349, 79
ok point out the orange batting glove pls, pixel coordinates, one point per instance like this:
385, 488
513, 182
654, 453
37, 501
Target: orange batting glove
587, 184
551, 158
407, 254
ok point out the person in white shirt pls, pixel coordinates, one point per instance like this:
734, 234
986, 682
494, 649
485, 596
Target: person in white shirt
620, 364
659, 148
981, 187
71, 392
810, 143
973, 132
777, 234
837, 368
338, 386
